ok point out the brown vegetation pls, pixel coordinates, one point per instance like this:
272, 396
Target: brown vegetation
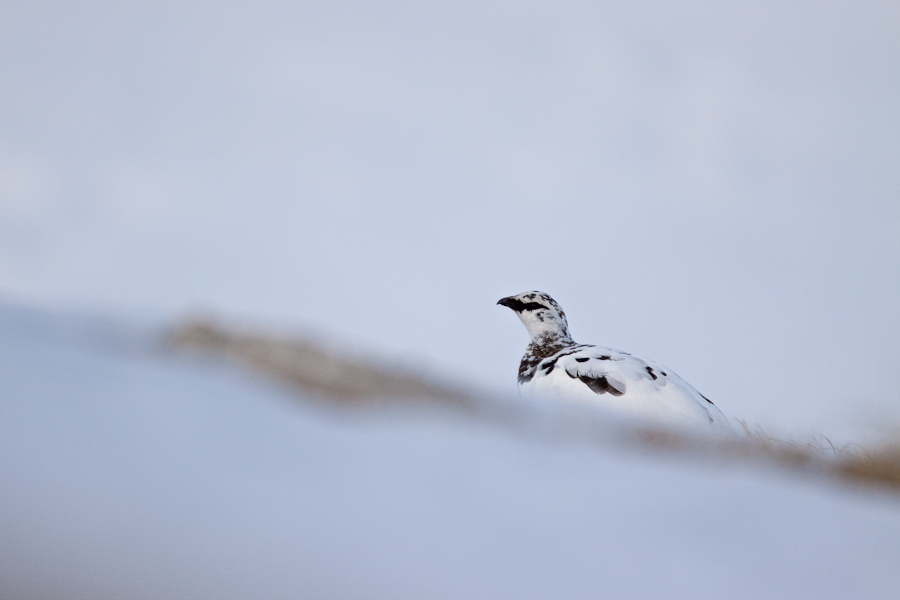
313, 368
344, 380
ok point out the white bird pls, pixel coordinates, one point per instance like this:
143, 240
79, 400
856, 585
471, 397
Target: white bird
554, 365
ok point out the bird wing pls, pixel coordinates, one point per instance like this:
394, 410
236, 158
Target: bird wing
606, 373
603, 370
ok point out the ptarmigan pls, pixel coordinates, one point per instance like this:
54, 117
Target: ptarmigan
554, 365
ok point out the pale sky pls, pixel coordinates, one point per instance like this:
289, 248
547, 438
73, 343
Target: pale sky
715, 187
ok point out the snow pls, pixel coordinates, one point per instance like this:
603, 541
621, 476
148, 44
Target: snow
127, 472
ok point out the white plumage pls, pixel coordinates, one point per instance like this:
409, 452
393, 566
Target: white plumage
555, 365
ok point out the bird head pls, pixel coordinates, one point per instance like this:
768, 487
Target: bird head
540, 314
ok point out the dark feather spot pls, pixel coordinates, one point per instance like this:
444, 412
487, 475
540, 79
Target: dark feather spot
652, 374
519, 306
532, 306
664, 373
617, 391
604, 357
705, 398
549, 365
598, 385
582, 359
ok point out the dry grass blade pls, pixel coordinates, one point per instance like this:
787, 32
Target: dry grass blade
312, 368
351, 381
878, 466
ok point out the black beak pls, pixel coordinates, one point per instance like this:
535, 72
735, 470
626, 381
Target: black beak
510, 302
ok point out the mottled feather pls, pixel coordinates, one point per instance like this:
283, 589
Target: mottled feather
555, 365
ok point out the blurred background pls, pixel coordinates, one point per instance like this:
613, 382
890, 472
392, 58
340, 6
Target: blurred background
715, 186
712, 186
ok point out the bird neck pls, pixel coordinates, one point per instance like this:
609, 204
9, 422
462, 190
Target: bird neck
542, 346
547, 344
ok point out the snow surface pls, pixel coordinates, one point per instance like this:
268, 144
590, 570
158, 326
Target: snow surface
129, 473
